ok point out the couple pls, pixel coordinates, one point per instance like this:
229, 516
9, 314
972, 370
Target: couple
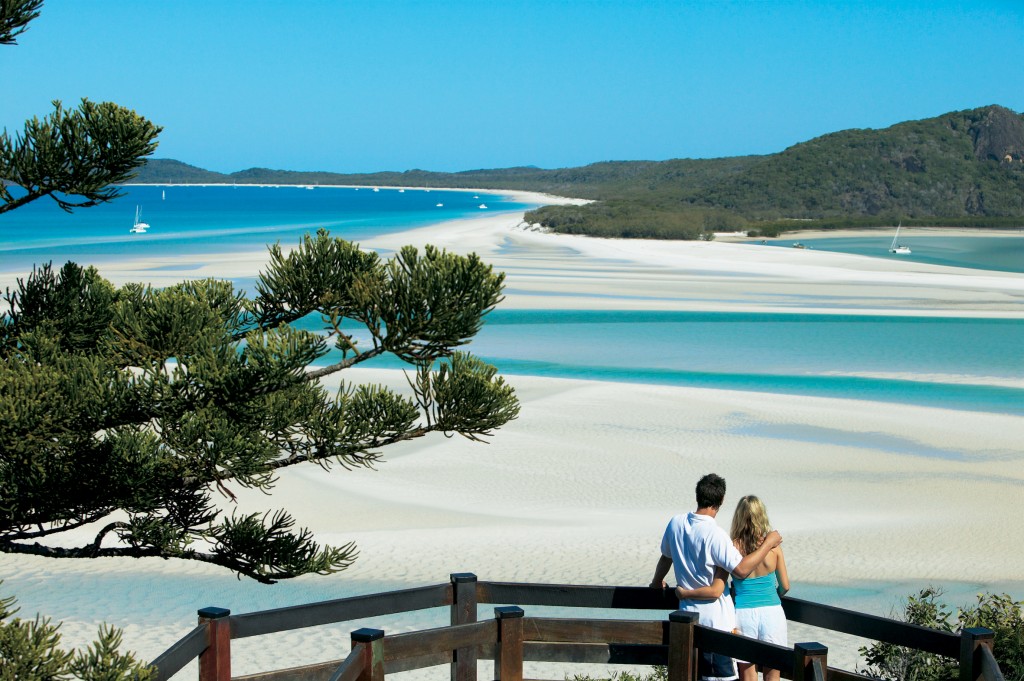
703, 556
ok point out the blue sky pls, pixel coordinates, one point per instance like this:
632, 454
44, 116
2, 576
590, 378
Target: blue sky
354, 86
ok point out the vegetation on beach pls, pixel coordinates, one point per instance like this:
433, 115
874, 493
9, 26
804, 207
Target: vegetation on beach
961, 169
30, 649
998, 612
127, 409
76, 157
658, 673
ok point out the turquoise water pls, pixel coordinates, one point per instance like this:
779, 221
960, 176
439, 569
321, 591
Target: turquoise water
957, 363
222, 219
973, 364
969, 364
1003, 253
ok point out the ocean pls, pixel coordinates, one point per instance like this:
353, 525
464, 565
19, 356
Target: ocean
960, 363
191, 219
972, 364
1005, 253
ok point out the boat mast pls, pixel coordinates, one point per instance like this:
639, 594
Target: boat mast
896, 237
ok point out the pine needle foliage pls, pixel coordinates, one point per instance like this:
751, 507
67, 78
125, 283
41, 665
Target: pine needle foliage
15, 16
132, 410
30, 650
74, 156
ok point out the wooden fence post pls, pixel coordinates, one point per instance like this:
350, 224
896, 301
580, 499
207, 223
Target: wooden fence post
811, 662
682, 656
971, 639
463, 612
372, 641
508, 660
215, 661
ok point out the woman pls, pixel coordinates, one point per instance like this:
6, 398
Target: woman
759, 611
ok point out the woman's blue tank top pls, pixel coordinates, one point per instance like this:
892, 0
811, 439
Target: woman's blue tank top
756, 592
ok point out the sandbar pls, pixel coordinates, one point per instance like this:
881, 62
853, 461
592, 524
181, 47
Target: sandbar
874, 500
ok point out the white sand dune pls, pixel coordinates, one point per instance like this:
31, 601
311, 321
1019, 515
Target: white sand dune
874, 500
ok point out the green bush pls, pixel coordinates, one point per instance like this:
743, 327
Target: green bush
1005, 617
1000, 613
30, 651
659, 673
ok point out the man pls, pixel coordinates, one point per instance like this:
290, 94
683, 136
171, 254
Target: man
694, 545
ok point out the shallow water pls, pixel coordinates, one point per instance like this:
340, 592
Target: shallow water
958, 363
222, 219
969, 364
1003, 253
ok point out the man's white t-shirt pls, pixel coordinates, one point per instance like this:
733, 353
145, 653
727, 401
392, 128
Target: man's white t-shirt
697, 545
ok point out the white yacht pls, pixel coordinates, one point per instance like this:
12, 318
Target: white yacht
139, 227
898, 249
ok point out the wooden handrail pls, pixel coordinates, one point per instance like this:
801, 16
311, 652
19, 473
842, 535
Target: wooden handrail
175, 658
743, 648
797, 610
551, 639
351, 668
433, 641
871, 626
989, 667
340, 610
544, 629
573, 596
833, 674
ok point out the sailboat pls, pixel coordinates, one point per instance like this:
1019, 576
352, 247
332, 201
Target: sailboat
896, 248
138, 227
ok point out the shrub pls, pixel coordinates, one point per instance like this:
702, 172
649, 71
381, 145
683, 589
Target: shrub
659, 673
30, 651
1000, 613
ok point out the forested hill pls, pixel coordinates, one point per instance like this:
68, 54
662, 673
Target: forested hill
961, 168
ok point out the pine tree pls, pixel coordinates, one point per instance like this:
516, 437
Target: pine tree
73, 156
129, 409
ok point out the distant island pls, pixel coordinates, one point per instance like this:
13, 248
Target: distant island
960, 169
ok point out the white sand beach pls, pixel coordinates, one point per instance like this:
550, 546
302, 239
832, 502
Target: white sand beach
560, 271
874, 500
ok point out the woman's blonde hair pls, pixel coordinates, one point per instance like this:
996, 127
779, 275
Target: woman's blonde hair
749, 524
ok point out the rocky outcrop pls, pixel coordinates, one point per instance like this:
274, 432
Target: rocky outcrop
998, 135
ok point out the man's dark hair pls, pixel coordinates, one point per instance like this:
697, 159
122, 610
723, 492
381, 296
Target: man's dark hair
710, 491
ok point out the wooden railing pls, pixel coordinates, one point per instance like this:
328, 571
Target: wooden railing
512, 638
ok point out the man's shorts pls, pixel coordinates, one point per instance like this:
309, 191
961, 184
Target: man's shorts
715, 667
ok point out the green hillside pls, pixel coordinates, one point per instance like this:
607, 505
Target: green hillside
953, 165
961, 168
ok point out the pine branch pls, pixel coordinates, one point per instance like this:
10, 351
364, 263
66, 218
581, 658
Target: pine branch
344, 364
82, 152
87, 551
14, 18
13, 535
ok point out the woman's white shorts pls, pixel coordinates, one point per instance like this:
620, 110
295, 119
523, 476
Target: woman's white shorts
767, 623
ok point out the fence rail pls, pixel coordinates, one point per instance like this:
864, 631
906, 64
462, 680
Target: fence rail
512, 638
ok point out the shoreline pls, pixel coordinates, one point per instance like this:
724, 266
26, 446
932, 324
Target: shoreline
915, 232
522, 195
557, 271
555, 490
872, 497
547, 270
